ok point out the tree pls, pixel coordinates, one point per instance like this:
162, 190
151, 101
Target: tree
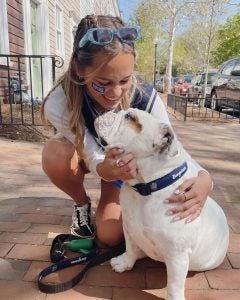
163, 16
215, 9
165, 19
176, 12
151, 29
228, 38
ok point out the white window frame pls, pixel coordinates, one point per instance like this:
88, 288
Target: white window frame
4, 35
59, 30
73, 27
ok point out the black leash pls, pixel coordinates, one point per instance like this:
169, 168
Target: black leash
57, 256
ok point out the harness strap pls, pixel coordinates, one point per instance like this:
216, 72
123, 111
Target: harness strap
93, 258
145, 189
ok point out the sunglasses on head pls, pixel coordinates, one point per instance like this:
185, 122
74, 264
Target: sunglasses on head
104, 36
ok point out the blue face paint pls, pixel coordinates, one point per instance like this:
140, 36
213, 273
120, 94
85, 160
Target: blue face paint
98, 88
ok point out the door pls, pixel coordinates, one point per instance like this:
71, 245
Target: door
222, 82
36, 64
234, 86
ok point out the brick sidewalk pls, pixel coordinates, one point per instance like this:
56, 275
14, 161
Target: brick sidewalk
31, 208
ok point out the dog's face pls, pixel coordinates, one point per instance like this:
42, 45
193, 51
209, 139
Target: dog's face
135, 131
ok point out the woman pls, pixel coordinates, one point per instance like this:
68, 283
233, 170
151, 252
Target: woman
100, 77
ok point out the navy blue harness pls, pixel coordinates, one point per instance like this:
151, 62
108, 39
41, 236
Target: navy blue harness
145, 189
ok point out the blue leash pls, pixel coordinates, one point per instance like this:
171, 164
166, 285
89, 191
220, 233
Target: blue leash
93, 258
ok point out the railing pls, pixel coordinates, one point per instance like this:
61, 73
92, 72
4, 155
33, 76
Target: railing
24, 82
204, 108
178, 104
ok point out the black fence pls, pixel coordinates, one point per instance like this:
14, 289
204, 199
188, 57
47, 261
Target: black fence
204, 108
24, 81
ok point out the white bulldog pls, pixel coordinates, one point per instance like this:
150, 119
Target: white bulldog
149, 230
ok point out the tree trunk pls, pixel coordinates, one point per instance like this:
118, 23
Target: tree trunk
168, 77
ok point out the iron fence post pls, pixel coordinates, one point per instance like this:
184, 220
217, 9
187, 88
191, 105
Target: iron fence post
53, 70
185, 109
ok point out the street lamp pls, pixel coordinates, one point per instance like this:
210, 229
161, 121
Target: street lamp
155, 61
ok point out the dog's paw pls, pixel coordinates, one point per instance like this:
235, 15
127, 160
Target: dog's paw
122, 263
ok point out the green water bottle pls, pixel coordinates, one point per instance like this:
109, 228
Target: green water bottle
79, 245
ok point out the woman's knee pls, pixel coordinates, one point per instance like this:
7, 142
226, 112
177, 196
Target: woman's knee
110, 232
58, 155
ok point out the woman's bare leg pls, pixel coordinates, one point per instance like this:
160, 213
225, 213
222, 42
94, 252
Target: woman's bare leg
108, 216
60, 162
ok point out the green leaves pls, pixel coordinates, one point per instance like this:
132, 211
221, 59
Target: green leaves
228, 40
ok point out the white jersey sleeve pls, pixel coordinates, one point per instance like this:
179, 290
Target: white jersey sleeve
159, 112
93, 153
57, 113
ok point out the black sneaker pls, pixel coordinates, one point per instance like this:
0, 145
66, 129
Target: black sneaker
81, 222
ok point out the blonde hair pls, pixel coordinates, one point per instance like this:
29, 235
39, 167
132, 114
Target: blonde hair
82, 58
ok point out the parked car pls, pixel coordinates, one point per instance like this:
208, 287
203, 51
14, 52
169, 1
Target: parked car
174, 81
196, 89
159, 84
182, 85
226, 86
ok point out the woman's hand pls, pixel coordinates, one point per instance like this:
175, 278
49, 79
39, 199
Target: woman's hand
193, 194
117, 166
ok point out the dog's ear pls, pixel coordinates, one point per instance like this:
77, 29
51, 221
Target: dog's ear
163, 138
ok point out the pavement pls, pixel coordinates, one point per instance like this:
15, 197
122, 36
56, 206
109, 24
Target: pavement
32, 210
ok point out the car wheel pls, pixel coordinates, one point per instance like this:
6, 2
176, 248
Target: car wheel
208, 102
214, 102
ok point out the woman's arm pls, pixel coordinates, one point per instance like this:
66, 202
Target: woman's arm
105, 165
56, 112
193, 193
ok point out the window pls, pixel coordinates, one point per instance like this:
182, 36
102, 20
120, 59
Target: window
73, 22
228, 68
188, 79
4, 45
237, 66
59, 30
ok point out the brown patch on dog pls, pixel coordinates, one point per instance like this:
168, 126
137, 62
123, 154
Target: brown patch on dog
134, 123
160, 148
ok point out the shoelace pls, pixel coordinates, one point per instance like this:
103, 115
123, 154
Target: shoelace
81, 216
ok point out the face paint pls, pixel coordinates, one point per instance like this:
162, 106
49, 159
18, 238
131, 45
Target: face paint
98, 88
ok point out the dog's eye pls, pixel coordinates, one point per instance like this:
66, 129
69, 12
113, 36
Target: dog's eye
130, 116
127, 116
133, 121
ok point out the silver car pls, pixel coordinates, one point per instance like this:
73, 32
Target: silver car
225, 92
196, 89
